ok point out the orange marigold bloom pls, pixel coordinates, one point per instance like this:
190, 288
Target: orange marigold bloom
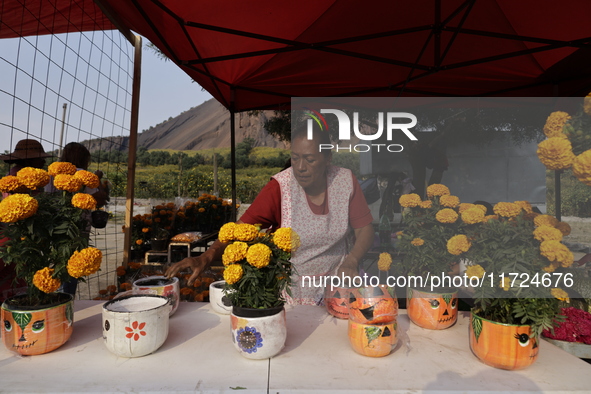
555, 123
88, 178
61, 167
582, 167
525, 205
17, 207
245, 232
67, 182
547, 220
507, 209
446, 215
555, 251
85, 262
473, 215
10, 184
226, 233
564, 228
556, 153
426, 204
458, 244
547, 233
449, 201
465, 205
384, 261
437, 189
410, 200
83, 201
417, 242
33, 178
44, 281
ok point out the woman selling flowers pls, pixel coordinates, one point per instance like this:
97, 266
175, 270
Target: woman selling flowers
322, 203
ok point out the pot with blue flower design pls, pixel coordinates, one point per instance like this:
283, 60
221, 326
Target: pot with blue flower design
258, 333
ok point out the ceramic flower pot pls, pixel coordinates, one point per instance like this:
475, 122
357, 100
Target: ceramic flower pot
372, 305
135, 325
160, 285
373, 340
431, 310
220, 303
258, 333
336, 301
504, 346
37, 330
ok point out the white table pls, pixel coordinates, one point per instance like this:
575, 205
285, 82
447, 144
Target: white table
199, 356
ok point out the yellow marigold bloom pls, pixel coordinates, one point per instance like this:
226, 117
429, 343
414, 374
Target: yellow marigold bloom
418, 242
551, 268
475, 270
83, 201
556, 153
482, 208
234, 253
409, 200
555, 123
557, 252
449, 201
505, 284
545, 220
384, 261
10, 184
145, 229
525, 205
33, 178
85, 262
44, 281
547, 233
560, 294
67, 182
233, 273
286, 239
61, 167
88, 178
139, 241
437, 189
507, 209
426, 204
465, 205
258, 255
458, 244
226, 233
446, 215
245, 232
564, 228
582, 167
587, 104
17, 207
491, 217
473, 215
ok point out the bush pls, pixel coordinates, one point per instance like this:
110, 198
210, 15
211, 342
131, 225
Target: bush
575, 196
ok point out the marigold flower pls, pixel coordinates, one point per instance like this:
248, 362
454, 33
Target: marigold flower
556, 153
475, 271
17, 207
258, 255
587, 104
409, 200
564, 228
446, 215
417, 242
557, 252
384, 261
85, 262
233, 273
551, 268
44, 281
547, 233
437, 189
88, 178
67, 182
582, 167
245, 232
10, 184
465, 205
458, 244
482, 208
555, 123
507, 209
139, 241
473, 215
234, 253
33, 178
286, 239
61, 167
83, 201
426, 204
449, 201
505, 284
201, 210
525, 205
545, 220
146, 229
226, 233
560, 294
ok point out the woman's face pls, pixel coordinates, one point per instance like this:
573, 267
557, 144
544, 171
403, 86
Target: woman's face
309, 165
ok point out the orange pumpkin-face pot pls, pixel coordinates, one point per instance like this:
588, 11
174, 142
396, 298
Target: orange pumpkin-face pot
373, 305
504, 346
37, 331
373, 340
337, 301
434, 311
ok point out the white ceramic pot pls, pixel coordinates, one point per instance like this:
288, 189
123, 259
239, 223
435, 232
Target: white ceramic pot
135, 325
220, 303
258, 337
160, 285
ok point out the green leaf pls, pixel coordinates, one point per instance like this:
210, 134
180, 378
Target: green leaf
476, 326
372, 332
22, 319
447, 298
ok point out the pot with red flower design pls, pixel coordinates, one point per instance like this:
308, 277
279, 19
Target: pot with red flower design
136, 325
160, 285
258, 333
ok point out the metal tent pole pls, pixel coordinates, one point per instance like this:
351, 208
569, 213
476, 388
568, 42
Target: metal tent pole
233, 151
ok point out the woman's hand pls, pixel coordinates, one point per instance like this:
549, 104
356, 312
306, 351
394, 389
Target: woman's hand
196, 264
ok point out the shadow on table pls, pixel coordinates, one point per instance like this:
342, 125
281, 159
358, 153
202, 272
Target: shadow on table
301, 323
506, 381
187, 323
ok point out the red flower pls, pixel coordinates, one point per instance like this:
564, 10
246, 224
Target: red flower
576, 327
135, 330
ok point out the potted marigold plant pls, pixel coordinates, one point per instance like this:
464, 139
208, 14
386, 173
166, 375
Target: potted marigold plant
258, 279
47, 244
512, 260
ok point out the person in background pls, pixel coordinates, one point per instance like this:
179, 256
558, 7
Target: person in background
325, 206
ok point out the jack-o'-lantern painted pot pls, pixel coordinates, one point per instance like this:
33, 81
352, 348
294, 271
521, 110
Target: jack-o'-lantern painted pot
336, 301
37, 330
434, 311
373, 340
500, 345
373, 305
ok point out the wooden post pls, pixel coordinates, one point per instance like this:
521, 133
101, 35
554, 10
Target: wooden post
233, 152
557, 197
